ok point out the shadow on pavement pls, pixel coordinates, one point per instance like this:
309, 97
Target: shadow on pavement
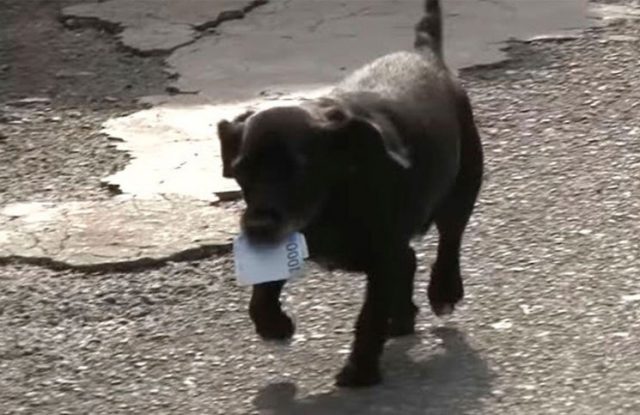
453, 382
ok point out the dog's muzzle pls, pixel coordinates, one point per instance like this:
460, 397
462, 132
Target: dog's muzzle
263, 225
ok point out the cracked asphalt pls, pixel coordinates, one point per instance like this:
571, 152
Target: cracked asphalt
550, 324
93, 235
52, 149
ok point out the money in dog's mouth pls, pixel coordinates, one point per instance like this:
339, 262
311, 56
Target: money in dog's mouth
257, 264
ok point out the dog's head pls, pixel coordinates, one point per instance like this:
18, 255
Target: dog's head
287, 159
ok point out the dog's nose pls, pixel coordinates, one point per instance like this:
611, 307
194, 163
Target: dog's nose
262, 225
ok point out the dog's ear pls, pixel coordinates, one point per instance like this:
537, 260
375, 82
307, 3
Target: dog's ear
230, 135
362, 134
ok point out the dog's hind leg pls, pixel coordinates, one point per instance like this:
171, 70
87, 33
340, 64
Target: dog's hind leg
446, 287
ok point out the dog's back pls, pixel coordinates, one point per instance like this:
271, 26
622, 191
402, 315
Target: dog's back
416, 91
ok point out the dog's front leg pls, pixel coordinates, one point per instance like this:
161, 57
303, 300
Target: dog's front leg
404, 311
363, 365
266, 312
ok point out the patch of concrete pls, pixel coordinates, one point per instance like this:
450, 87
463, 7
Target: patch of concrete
555, 37
121, 232
623, 38
157, 26
286, 46
613, 12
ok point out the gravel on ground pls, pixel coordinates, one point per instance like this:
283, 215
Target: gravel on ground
57, 86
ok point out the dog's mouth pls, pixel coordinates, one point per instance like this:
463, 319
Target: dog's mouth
264, 226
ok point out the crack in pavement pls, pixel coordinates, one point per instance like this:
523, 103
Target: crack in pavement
169, 36
228, 15
110, 265
123, 233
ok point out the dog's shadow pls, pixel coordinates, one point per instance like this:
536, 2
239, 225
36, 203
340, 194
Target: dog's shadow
452, 382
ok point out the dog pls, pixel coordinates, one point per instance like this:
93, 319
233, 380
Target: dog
360, 172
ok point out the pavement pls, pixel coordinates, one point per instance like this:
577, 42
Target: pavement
550, 321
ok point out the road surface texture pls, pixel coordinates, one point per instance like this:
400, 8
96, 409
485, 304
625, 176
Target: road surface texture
550, 323
84, 79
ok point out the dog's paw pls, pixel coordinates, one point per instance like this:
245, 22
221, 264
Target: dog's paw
444, 297
352, 376
278, 327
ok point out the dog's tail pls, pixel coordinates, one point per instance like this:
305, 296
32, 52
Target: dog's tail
429, 29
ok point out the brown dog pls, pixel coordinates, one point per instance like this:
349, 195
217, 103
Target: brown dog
360, 172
